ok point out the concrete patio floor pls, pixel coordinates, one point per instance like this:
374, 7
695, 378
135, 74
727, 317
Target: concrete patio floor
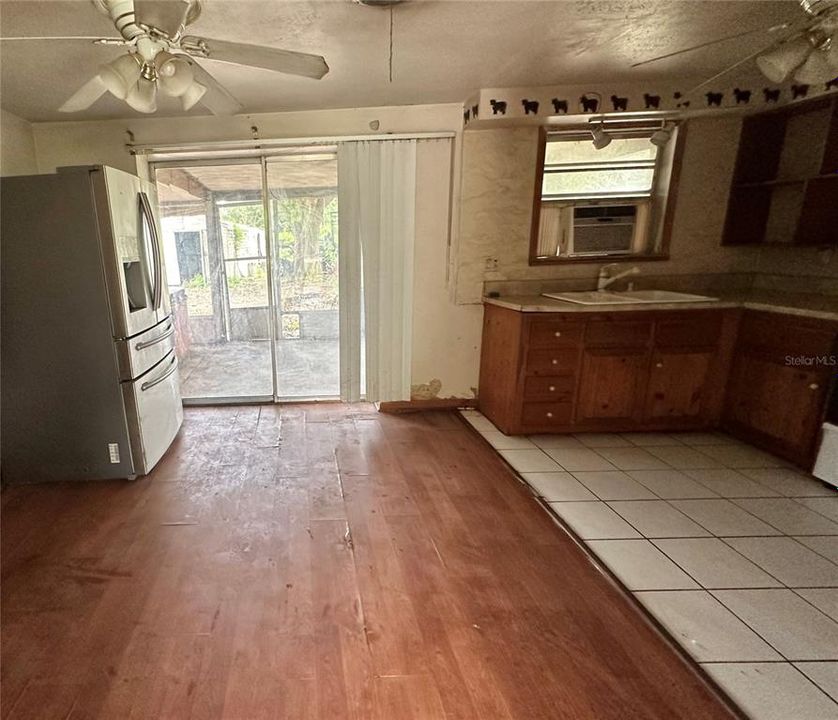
307, 368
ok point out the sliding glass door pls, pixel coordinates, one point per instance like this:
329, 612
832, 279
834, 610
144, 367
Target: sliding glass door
254, 293
303, 201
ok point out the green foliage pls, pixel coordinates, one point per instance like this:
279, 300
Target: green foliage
196, 281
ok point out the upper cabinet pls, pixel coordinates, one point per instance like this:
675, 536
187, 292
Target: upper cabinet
785, 185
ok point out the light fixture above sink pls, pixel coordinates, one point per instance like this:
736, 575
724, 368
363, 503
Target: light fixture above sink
631, 297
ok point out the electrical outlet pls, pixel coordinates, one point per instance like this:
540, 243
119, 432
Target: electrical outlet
490, 263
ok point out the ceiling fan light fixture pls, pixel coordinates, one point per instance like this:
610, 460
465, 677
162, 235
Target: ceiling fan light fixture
143, 96
174, 74
192, 95
120, 75
778, 63
817, 68
601, 138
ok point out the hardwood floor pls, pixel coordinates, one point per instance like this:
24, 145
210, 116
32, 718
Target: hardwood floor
319, 561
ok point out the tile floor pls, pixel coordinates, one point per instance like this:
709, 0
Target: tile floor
732, 550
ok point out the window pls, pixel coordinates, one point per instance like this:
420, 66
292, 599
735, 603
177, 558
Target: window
607, 202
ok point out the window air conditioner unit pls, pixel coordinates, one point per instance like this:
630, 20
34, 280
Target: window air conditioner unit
601, 229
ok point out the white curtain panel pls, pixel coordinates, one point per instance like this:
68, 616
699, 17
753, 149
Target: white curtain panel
376, 208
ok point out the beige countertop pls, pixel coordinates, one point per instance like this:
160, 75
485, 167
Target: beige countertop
814, 306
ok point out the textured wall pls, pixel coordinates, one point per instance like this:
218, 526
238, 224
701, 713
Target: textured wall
17, 146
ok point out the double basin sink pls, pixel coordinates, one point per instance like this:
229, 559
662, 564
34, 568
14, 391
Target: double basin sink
606, 297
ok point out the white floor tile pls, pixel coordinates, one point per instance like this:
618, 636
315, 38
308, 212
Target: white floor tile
742, 456
579, 459
529, 461
650, 439
601, 440
657, 519
671, 484
613, 485
772, 691
480, 423
499, 441
640, 565
699, 439
721, 517
715, 565
788, 482
594, 521
550, 442
826, 545
824, 675
790, 562
792, 626
558, 486
827, 506
824, 599
789, 516
704, 627
631, 458
683, 457
730, 483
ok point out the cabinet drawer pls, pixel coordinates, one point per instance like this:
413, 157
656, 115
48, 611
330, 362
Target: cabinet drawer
780, 337
539, 414
557, 389
618, 333
555, 333
552, 362
697, 330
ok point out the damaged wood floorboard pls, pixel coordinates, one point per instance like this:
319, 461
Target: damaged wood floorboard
319, 562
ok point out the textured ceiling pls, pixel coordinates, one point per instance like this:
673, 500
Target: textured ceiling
442, 51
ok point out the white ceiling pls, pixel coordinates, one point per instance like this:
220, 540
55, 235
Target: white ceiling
444, 50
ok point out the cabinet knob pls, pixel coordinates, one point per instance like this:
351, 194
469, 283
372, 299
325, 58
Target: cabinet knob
549, 414
554, 361
814, 386
557, 333
552, 388
659, 365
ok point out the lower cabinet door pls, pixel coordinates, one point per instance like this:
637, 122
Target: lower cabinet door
677, 383
777, 404
611, 386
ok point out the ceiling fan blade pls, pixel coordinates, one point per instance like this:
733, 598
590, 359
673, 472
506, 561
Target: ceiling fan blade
86, 38
85, 96
675, 53
216, 98
284, 61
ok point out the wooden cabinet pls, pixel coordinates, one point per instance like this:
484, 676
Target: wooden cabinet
628, 370
779, 383
784, 184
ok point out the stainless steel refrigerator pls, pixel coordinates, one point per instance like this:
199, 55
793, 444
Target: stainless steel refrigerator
89, 372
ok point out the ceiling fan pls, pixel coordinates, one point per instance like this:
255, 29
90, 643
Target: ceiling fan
161, 58
808, 50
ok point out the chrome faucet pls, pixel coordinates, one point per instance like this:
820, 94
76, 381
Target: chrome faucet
604, 279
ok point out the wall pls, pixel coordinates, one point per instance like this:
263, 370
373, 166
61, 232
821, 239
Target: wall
446, 337
17, 146
496, 208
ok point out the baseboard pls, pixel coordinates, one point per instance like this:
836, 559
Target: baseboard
406, 406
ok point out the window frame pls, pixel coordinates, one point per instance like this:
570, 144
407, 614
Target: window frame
664, 194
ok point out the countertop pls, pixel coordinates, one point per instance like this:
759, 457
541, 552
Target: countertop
814, 306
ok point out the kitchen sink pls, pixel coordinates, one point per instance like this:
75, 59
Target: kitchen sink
630, 297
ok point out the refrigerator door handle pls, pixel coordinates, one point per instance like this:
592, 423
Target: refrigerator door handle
157, 291
160, 338
151, 383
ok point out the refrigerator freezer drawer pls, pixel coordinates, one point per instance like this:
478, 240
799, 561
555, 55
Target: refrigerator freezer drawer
144, 351
155, 412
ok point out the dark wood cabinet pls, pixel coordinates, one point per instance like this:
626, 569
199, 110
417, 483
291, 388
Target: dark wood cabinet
779, 382
630, 370
785, 183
